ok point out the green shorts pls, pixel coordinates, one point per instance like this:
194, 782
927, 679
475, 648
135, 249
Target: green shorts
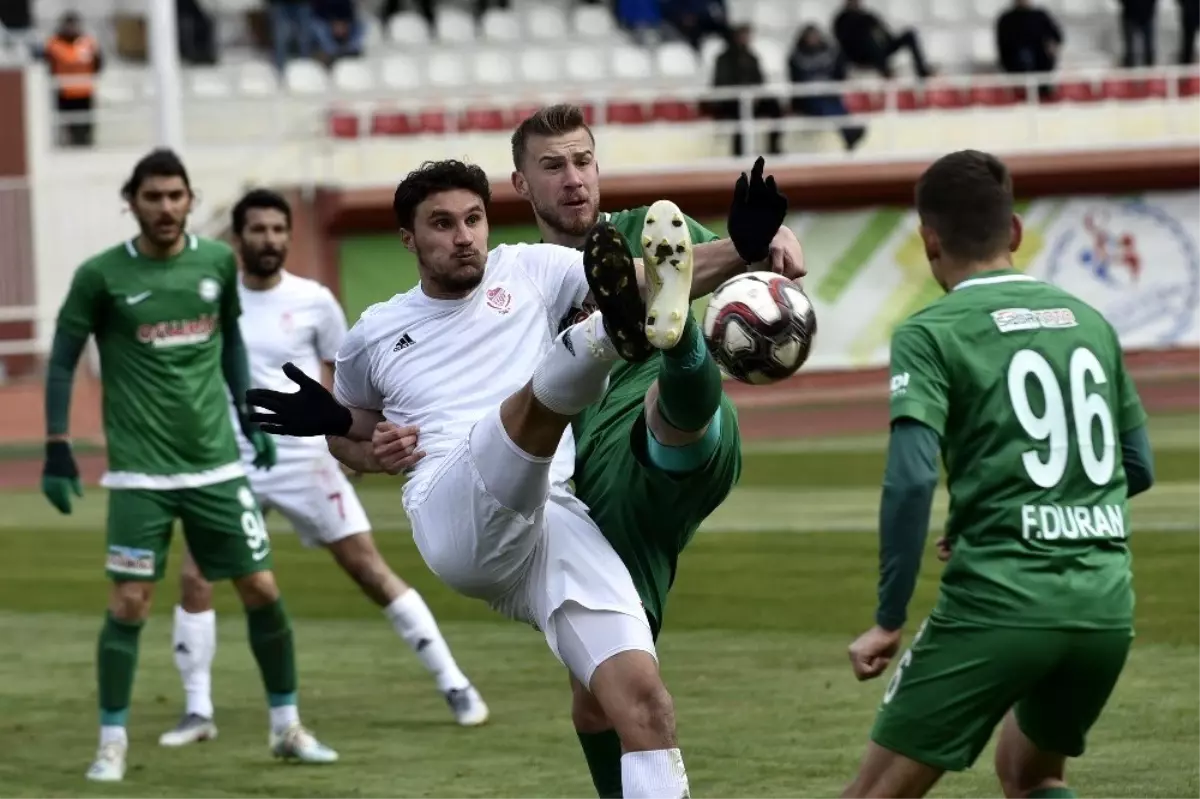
650, 515
222, 525
956, 682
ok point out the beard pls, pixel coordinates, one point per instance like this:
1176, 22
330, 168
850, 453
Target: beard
457, 276
572, 225
263, 264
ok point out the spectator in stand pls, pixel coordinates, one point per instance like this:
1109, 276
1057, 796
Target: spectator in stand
815, 59
1189, 25
643, 18
1137, 31
483, 5
197, 33
738, 66
337, 30
291, 24
1028, 40
74, 59
696, 19
16, 25
867, 42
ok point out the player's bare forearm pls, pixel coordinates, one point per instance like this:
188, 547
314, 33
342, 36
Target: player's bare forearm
327, 376
362, 424
60, 377
355, 455
712, 264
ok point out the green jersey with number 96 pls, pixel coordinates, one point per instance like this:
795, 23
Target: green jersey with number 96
1027, 388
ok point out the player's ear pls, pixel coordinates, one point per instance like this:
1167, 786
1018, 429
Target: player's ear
406, 237
933, 246
520, 184
1017, 233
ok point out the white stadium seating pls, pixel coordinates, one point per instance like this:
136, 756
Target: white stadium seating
408, 28
499, 25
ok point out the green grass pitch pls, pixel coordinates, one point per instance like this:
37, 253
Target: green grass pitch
766, 601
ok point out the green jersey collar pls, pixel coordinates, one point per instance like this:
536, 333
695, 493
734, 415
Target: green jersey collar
192, 243
994, 276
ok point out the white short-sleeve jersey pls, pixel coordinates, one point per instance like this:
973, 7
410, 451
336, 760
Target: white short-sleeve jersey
443, 364
298, 320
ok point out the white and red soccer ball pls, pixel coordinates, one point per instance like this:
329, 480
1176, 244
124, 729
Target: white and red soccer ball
759, 327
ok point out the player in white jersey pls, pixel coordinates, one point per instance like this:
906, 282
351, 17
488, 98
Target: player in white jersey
290, 319
471, 359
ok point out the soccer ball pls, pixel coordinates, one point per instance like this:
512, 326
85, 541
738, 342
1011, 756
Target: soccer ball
759, 327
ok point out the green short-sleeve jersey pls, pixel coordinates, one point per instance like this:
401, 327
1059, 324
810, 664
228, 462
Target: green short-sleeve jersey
609, 435
157, 325
1027, 388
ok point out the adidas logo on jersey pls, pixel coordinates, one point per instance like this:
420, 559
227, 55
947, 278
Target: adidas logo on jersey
405, 341
1009, 320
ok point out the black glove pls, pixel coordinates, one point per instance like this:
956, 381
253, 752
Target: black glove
756, 214
311, 411
60, 476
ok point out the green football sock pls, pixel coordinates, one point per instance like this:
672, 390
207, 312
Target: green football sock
603, 753
1053, 793
689, 382
271, 642
116, 664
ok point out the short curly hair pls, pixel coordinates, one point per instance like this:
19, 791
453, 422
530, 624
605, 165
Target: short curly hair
434, 177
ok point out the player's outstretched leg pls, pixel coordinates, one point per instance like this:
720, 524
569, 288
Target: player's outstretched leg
667, 258
194, 644
412, 621
116, 665
1026, 770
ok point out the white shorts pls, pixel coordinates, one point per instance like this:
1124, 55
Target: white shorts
314, 495
525, 565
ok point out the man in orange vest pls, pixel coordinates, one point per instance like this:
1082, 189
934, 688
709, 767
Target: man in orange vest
74, 59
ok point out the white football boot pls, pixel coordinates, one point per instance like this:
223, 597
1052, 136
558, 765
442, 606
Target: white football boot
667, 258
467, 705
192, 728
109, 765
297, 743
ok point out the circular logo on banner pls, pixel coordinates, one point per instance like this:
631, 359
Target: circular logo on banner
1135, 264
209, 289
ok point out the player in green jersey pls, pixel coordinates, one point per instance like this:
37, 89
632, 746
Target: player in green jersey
1023, 389
661, 449
164, 309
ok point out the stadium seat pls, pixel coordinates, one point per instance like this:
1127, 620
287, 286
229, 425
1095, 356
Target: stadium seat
678, 61
483, 120
1189, 86
305, 76
988, 11
993, 95
626, 112
898, 14
447, 70
408, 28
400, 72
946, 97
592, 22
387, 122
546, 22
815, 12
353, 75
373, 34
667, 110
1077, 8
454, 25
945, 46
710, 49
115, 88
630, 63
769, 15
500, 25
539, 66
983, 47
343, 125
585, 64
257, 79
494, 68
948, 12
772, 56
1078, 92
208, 82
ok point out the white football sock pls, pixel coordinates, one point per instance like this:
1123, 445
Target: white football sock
195, 644
657, 774
413, 622
111, 734
574, 373
283, 717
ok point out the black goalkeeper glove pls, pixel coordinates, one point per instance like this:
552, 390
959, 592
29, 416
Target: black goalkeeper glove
756, 214
60, 476
311, 411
